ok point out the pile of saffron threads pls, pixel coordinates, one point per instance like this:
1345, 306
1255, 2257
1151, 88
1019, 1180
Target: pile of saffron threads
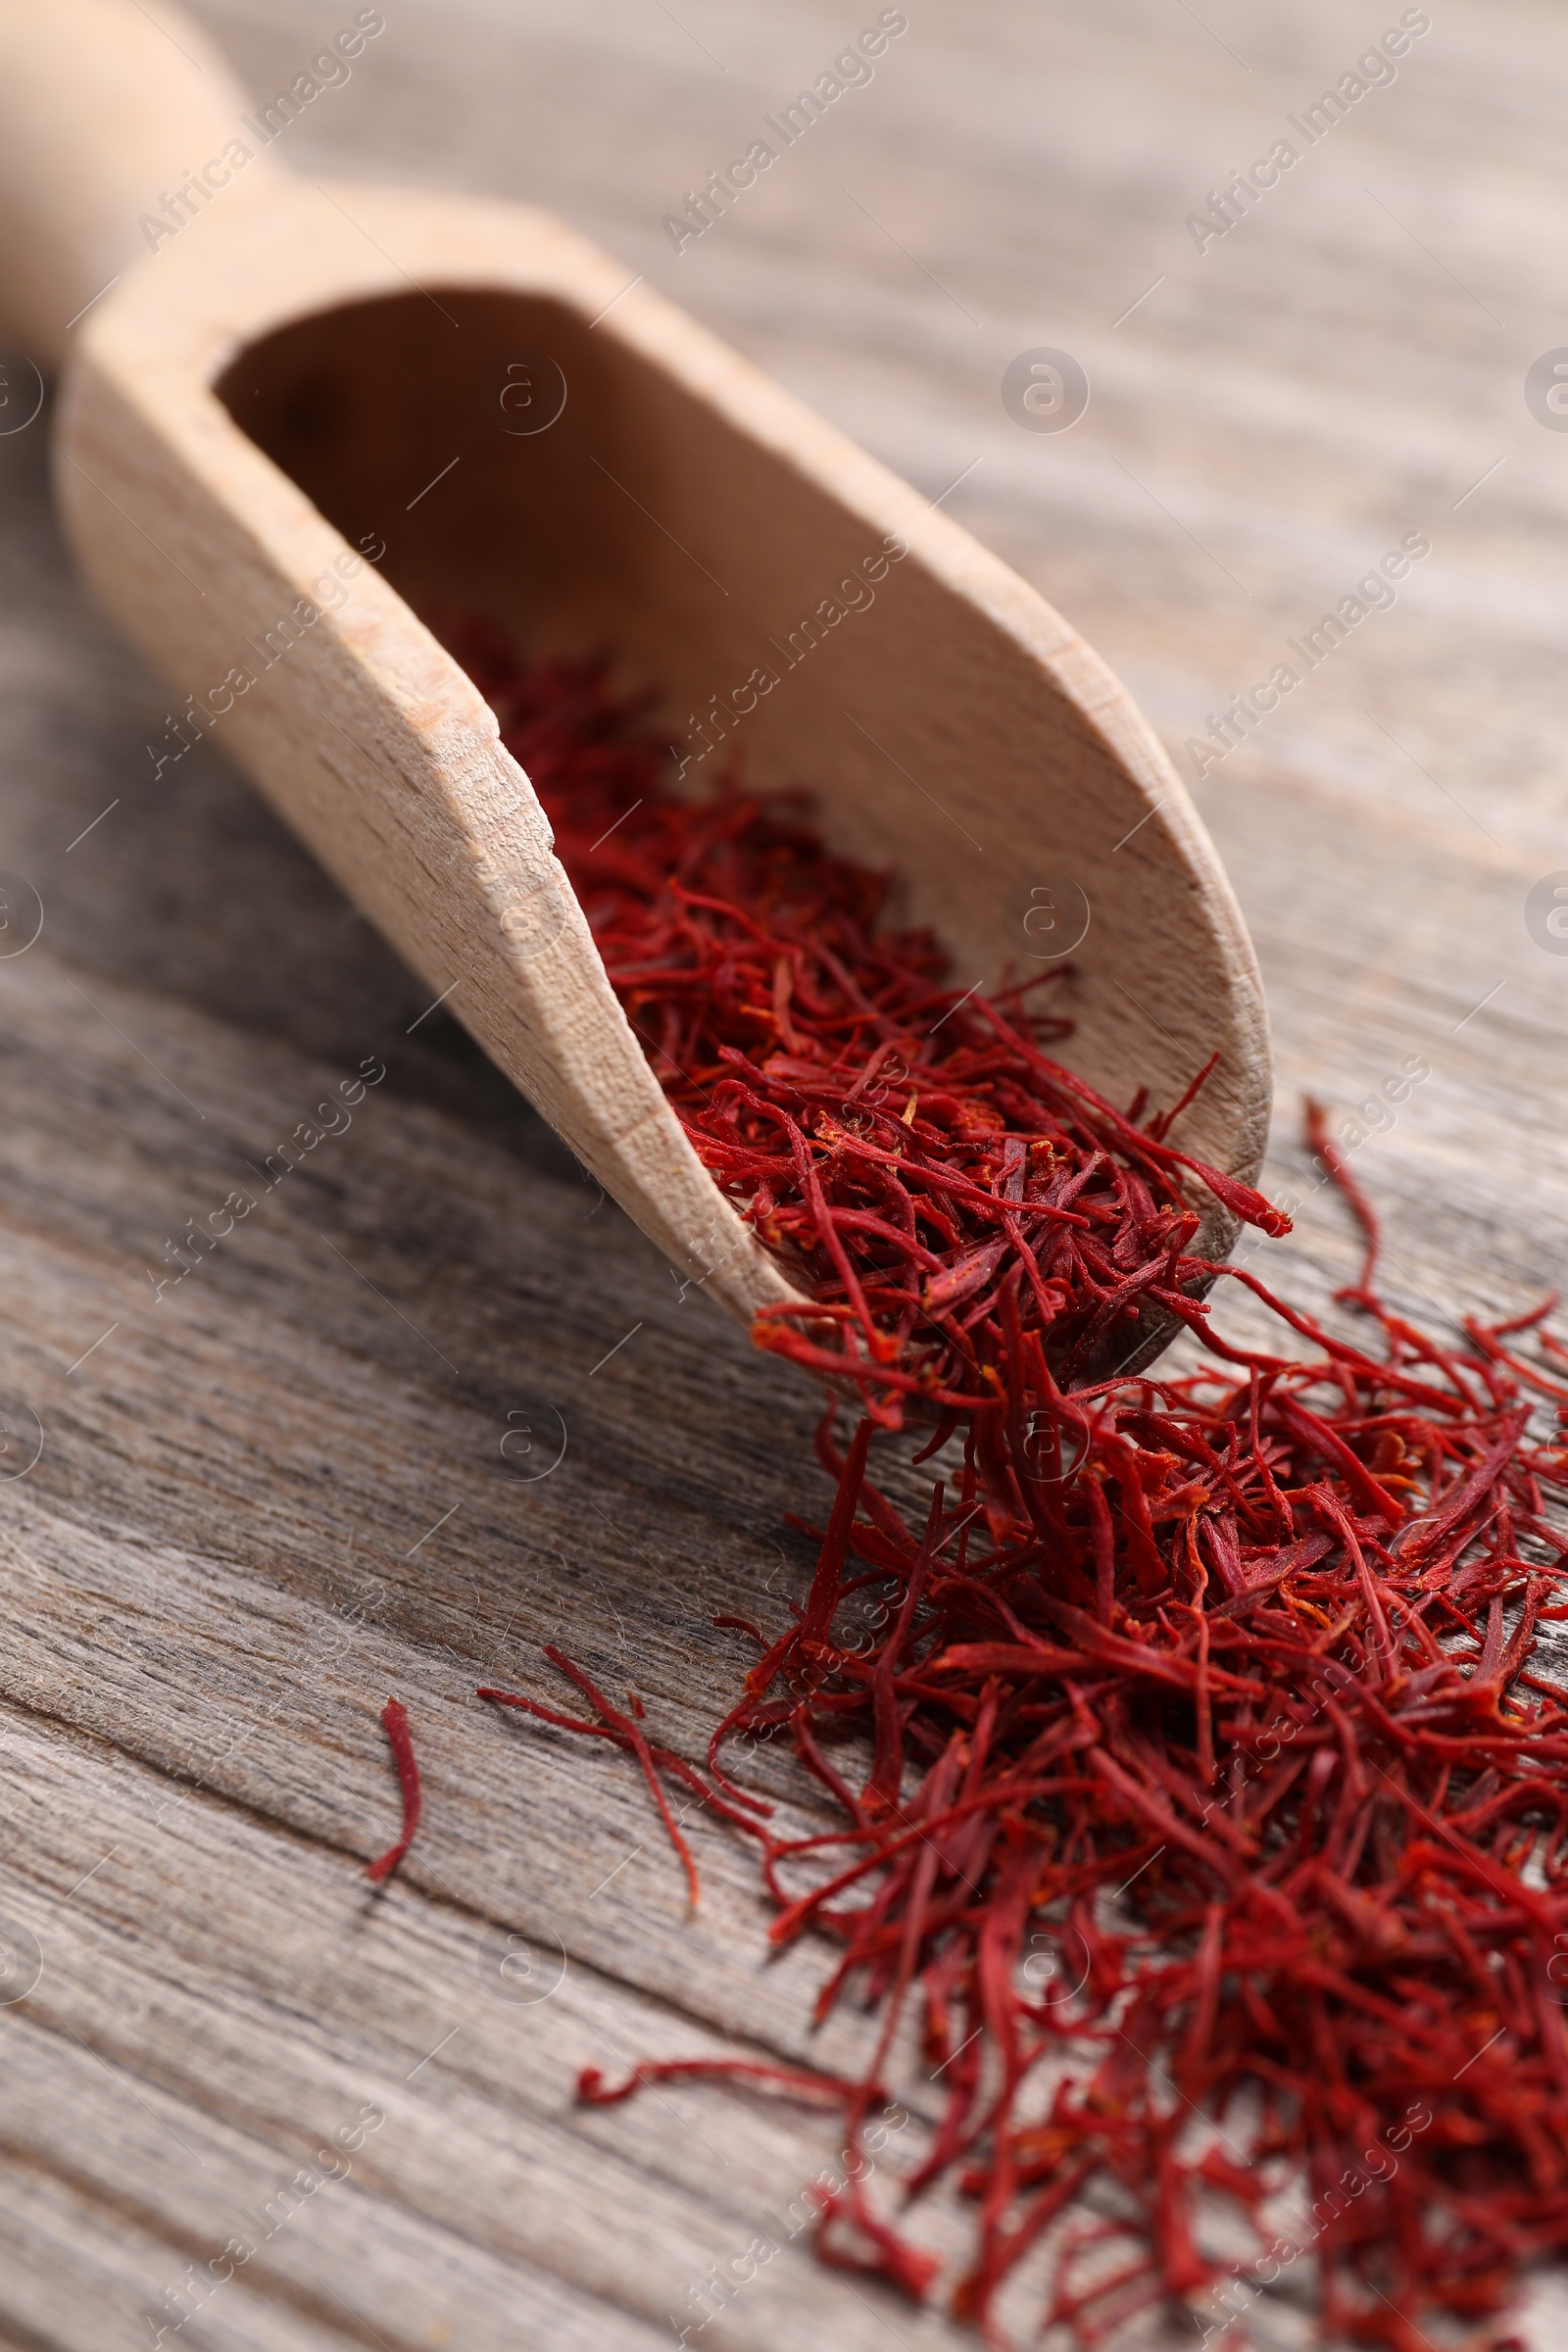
1196, 1794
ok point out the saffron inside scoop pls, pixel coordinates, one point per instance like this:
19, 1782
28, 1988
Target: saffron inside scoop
960, 1207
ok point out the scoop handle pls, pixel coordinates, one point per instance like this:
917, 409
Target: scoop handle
107, 108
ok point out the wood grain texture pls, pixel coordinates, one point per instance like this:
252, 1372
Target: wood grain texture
230, 1553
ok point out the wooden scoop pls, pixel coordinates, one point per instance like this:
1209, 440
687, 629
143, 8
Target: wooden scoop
297, 415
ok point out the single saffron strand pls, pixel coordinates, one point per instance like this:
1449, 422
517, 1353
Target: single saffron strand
593, 2088
1338, 1167
395, 1724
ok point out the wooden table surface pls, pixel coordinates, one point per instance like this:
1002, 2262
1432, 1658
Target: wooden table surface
278, 1492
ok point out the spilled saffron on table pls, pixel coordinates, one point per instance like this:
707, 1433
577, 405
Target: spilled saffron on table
1194, 1786
395, 1724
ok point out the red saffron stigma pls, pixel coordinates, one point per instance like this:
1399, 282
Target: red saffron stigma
1339, 1168
394, 1723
